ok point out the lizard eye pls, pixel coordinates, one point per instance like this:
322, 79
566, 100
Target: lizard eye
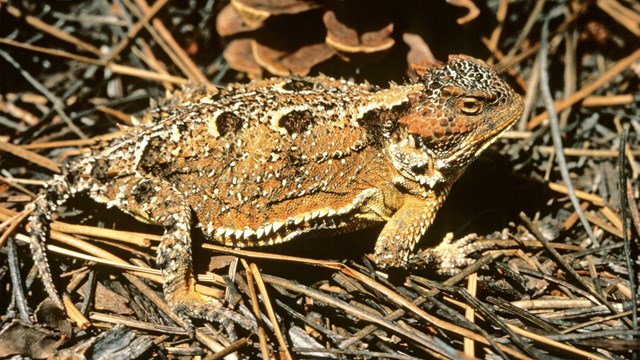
469, 106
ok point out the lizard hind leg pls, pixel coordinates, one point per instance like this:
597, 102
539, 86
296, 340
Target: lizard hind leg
56, 193
158, 202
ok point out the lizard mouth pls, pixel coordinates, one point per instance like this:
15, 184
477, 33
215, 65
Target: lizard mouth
485, 138
491, 137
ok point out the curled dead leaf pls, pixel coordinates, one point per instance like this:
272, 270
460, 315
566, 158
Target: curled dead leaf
239, 55
255, 12
348, 39
298, 62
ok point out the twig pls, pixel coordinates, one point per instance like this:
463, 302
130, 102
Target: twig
264, 348
624, 16
501, 14
162, 305
12, 223
525, 219
230, 349
146, 74
586, 90
570, 71
116, 68
555, 132
58, 106
16, 281
608, 100
592, 198
368, 316
489, 316
172, 48
51, 30
31, 156
633, 207
597, 320
74, 313
624, 205
531, 20
15, 183
115, 50
272, 315
470, 312
584, 152
551, 342
114, 319
54, 52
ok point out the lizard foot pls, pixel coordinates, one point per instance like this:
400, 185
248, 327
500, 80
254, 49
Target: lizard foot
190, 304
451, 255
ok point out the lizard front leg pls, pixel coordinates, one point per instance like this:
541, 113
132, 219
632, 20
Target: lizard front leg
158, 202
409, 224
405, 228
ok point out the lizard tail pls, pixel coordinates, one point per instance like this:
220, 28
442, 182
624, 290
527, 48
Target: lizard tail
56, 193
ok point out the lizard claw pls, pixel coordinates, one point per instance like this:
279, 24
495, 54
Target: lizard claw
195, 305
450, 255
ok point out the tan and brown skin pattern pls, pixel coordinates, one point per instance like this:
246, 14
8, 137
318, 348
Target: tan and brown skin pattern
280, 159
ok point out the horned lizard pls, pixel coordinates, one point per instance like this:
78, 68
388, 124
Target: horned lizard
286, 158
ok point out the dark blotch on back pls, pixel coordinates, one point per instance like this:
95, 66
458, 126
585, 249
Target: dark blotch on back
296, 121
380, 121
98, 171
228, 122
153, 161
298, 85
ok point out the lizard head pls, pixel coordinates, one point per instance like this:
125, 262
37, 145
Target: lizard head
462, 108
